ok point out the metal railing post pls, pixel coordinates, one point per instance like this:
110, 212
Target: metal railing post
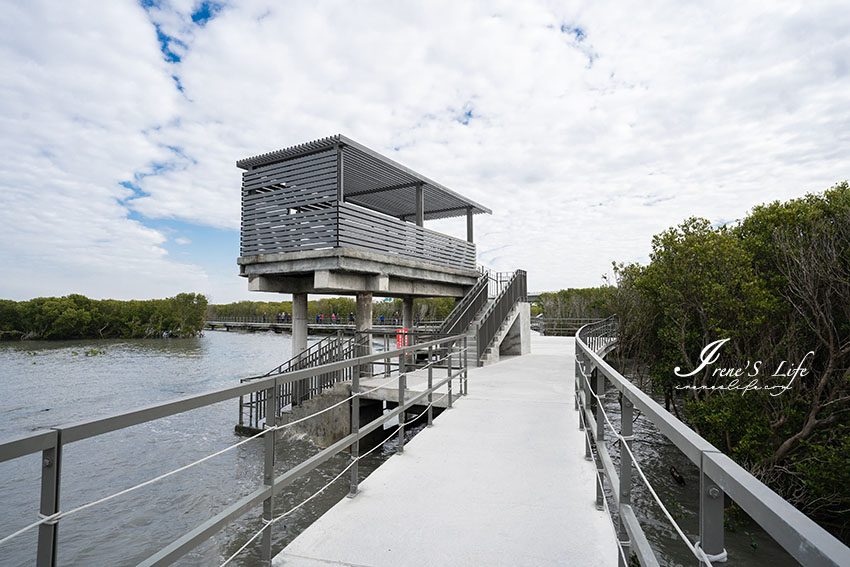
355, 429
710, 516
402, 379
625, 488
339, 354
465, 366
600, 435
268, 474
449, 371
578, 401
387, 365
430, 385
586, 405
51, 472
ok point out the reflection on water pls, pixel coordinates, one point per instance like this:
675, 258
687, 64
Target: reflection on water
45, 384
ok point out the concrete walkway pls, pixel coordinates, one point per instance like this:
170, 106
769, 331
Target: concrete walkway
499, 480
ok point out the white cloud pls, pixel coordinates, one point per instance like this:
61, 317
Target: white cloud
584, 142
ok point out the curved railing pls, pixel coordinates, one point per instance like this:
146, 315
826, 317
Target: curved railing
807, 542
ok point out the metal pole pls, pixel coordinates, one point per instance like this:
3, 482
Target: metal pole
465, 365
355, 429
587, 403
625, 488
387, 365
578, 402
268, 475
576, 376
340, 377
710, 517
449, 370
430, 385
600, 434
51, 470
402, 378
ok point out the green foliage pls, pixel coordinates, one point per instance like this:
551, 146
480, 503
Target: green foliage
75, 317
778, 286
579, 303
430, 309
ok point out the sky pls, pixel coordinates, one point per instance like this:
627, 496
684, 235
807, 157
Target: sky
587, 127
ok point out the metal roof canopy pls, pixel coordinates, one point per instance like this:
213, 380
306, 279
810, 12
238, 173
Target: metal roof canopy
374, 181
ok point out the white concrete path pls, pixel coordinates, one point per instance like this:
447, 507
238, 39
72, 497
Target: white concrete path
500, 480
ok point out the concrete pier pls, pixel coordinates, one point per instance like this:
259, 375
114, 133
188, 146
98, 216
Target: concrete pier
499, 480
407, 313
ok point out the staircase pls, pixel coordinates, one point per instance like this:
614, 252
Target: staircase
472, 332
487, 313
492, 352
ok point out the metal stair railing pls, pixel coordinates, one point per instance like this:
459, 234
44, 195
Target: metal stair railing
515, 291
464, 312
333, 348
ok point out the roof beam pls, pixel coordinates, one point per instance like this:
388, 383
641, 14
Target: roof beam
446, 210
383, 189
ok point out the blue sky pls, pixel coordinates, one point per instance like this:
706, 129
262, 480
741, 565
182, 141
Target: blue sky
587, 127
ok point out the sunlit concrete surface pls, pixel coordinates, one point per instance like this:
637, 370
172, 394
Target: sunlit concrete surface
500, 479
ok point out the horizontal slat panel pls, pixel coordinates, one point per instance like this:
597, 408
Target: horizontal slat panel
267, 228
251, 215
324, 185
301, 162
304, 179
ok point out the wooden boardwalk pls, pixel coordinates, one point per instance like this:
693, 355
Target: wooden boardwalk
500, 479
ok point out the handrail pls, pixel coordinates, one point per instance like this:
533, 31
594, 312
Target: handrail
561, 325
513, 292
464, 312
50, 443
807, 542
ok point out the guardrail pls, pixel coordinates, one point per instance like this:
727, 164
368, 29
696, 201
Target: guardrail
560, 326
807, 542
274, 322
464, 312
266, 230
334, 348
514, 291
51, 443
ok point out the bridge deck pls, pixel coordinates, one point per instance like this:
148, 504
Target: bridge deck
499, 480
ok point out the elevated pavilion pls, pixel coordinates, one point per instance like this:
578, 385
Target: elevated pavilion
334, 217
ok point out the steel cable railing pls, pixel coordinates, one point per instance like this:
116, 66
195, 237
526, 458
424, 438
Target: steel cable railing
807, 542
19, 447
698, 554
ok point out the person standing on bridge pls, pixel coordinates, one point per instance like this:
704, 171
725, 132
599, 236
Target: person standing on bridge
351, 317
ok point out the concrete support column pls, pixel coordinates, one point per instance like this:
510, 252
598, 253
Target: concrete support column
299, 341
407, 313
364, 323
364, 316
299, 323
